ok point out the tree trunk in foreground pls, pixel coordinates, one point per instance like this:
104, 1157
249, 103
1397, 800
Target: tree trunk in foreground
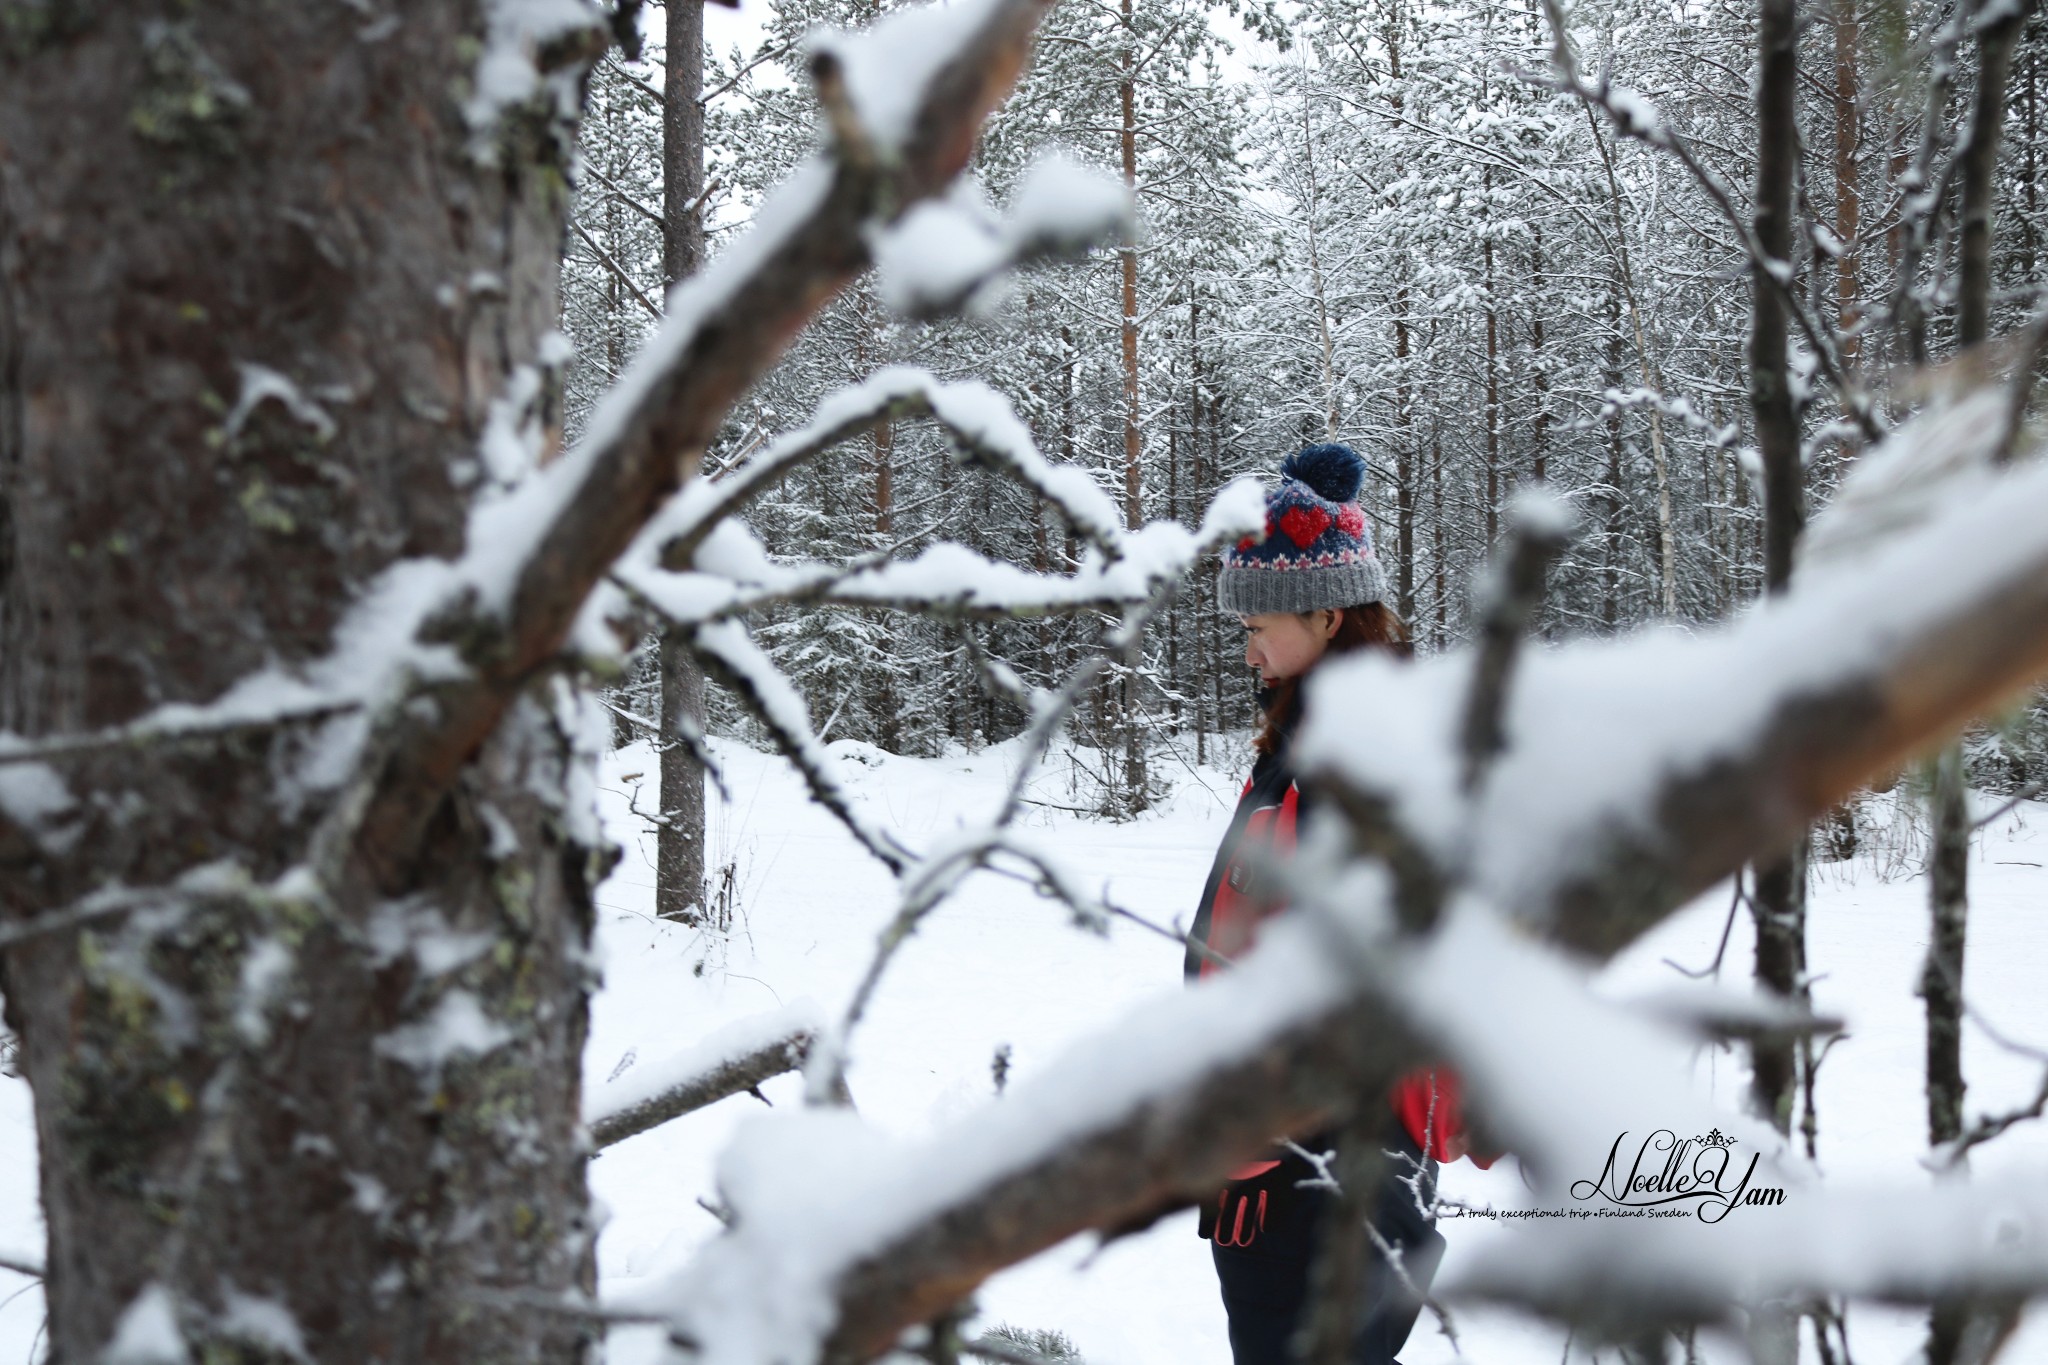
265, 271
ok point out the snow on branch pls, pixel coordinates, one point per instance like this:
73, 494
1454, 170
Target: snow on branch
1634, 117
1639, 772
1632, 774
953, 255
732, 1061
731, 656
984, 428
537, 552
945, 581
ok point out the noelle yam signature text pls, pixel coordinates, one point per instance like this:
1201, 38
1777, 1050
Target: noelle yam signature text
1668, 1169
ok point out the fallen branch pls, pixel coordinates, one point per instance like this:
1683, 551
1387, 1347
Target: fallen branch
731, 1062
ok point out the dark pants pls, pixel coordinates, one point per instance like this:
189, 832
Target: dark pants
1265, 1285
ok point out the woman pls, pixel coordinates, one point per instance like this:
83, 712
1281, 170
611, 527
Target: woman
1309, 588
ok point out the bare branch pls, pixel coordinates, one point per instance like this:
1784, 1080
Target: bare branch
617, 271
733, 1076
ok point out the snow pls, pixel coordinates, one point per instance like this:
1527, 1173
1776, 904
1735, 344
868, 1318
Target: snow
1063, 205
147, 1333
816, 1192
261, 384
889, 64
1636, 115
1545, 1053
507, 73
34, 797
263, 1322
938, 252
1945, 459
954, 249
1000, 966
458, 1027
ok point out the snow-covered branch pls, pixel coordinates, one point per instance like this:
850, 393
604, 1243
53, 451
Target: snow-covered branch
1639, 772
922, 82
1632, 775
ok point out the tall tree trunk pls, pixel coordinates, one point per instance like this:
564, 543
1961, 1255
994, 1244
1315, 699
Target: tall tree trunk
1539, 433
1407, 455
1326, 355
1127, 259
310, 274
1980, 169
1130, 738
1440, 567
1405, 459
1948, 879
1848, 191
679, 839
1492, 384
1780, 905
1611, 505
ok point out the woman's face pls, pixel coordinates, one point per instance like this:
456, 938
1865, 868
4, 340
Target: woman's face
1282, 645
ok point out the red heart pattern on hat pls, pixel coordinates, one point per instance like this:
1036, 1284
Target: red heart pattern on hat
1350, 520
1304, 524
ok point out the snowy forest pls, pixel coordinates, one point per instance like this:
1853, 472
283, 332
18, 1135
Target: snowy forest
615, 697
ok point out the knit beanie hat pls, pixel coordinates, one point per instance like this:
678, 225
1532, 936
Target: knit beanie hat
1316, 551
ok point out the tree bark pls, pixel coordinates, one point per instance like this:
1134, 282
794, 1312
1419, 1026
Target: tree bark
331, 1059
1780, 904
1979, 174
679, 838
307, 277
1122, 691
1848, 191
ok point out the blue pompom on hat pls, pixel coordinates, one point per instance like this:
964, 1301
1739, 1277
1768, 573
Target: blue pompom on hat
1316, 551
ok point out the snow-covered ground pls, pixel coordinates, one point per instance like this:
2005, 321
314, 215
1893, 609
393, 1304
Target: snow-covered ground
999, 968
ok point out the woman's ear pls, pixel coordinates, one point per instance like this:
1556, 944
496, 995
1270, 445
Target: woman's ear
1333, 618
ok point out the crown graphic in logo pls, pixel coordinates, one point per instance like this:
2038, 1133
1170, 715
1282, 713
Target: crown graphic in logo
1715, 1139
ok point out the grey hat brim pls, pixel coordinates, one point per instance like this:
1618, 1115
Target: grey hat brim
1252, 592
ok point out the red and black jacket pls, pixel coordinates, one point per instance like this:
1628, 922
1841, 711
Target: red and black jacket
1426, 1102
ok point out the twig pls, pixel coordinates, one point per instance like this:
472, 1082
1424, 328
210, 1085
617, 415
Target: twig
764, 55
2018, 798
1775, 272
196, 730
604, 258
1727, 927
1538, 532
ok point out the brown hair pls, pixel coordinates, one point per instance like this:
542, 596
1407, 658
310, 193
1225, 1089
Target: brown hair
1373, 626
